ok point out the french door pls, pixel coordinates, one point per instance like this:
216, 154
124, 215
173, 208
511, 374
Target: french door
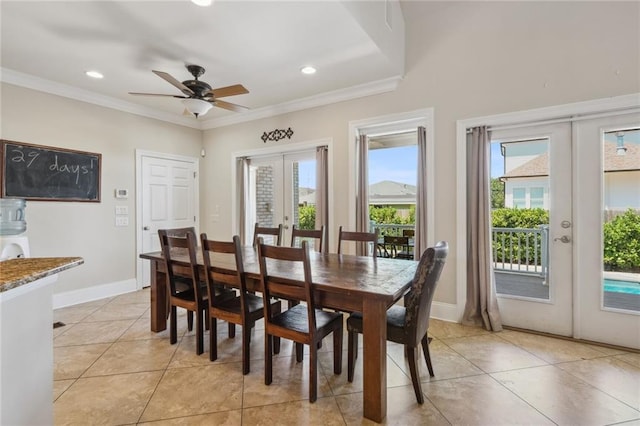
281, 191
533, 262
578, 273
607, 231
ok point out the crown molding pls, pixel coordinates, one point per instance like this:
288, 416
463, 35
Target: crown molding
40, 84
354, 92
36, 83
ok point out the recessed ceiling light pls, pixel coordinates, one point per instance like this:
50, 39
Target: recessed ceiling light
94, 74
203, 3
308, 70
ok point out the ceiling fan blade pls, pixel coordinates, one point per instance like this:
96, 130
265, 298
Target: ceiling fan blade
156, 94
221, 92
230, 106
169, 78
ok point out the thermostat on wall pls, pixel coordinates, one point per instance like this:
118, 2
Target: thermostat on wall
122, 193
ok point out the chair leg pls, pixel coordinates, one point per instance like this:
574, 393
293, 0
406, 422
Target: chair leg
313, 372
173, 326
268, 360
199, 332
246, 339
337, 350
276, 309
415, 377
232, 330
352, 350
190, 320
427, 354
299, 352
213, 338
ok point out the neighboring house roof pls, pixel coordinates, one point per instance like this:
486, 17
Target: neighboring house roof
539, 166
385, 192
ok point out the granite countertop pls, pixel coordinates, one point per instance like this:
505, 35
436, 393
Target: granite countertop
17, 272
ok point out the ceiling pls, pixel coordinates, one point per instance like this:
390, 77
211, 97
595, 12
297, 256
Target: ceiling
357, 48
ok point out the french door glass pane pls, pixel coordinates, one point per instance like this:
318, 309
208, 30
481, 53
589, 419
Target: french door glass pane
621, 217
520, 223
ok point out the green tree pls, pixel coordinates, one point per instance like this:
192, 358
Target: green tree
622, 243
497, 193
307, 217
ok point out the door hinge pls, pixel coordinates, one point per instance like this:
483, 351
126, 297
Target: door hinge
195, 174
194, 219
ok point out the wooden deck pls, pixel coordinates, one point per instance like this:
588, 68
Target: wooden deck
527, 285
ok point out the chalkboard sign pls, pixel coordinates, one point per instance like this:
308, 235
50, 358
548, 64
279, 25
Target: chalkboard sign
44, 173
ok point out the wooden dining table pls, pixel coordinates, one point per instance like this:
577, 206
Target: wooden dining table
347, 283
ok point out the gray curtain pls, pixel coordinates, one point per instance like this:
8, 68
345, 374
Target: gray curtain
482, 304
362, 190
322, 192
242, 183
420, 240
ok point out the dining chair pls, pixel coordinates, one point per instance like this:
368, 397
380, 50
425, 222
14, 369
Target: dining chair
408, 324
409, 233
276, 234
398, 247
360, 237
180, 233
316, 234
185, 291
244, 309
302, 323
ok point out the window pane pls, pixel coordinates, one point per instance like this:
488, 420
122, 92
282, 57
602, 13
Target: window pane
536, 197
519, 198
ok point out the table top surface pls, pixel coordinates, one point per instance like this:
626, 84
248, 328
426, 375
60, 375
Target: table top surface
338, 273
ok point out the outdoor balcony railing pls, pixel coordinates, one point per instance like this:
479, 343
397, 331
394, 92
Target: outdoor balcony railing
521, 250
391, 229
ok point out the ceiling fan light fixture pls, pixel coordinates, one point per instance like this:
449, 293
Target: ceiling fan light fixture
203, 3
197, 107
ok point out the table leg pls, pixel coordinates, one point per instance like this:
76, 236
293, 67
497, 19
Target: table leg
158, 299
374, 315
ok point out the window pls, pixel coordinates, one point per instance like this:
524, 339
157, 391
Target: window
519, 198
536, 197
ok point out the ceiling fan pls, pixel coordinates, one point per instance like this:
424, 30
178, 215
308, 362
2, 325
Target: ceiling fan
198, 96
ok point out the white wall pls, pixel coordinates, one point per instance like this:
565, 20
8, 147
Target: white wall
87, 229
622, 190
465, 59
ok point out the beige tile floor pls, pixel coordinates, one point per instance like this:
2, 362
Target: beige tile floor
110, 369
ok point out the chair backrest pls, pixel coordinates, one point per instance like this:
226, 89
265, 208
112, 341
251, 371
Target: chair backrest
418, 301
291, 262
362, 237
409, 233
317, 234
174, 246
396, 243
218, 273
265, 230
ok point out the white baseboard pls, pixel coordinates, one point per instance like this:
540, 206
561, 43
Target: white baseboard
445, 311
74, 297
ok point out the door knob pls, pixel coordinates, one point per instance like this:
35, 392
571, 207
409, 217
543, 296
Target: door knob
145, 228
563, 239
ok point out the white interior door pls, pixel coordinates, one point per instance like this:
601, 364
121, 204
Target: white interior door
533, 264
168, 199
607, 182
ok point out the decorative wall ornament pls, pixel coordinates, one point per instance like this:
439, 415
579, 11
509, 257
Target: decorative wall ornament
276, 135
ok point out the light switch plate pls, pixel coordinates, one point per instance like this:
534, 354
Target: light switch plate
122, 209
122, 220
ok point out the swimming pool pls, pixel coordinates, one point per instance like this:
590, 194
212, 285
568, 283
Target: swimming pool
619, 286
